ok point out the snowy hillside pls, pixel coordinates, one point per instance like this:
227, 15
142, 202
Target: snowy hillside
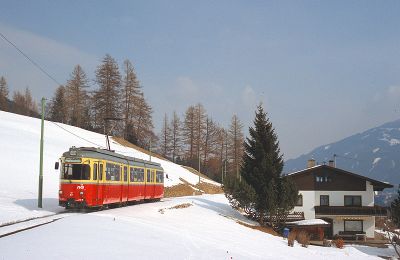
373, 153
200, 227
20, 139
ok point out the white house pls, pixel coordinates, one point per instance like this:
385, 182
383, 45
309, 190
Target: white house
342, 198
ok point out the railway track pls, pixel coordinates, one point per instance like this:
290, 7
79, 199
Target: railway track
23, 225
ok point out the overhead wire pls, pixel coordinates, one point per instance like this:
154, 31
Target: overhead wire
50, 77
77, 135
30, 59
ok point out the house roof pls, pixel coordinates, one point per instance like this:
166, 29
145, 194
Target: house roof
378, 185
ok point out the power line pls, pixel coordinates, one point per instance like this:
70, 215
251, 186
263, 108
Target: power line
76, 135
28, 58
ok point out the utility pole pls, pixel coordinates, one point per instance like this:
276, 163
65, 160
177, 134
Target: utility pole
40, 196
150, 149
199, 169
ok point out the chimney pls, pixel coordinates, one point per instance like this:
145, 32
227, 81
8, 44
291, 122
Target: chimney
310, 163
331, 163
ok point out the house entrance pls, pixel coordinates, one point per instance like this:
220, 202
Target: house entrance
328, 230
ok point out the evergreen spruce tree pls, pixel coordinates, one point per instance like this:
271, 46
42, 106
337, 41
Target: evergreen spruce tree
265, 194
395, 209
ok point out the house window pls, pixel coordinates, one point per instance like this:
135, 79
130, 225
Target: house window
353, 225
299, 202
324, 200
352, 200
323, 179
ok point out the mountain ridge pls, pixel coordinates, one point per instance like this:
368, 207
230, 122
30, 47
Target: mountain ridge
372, 153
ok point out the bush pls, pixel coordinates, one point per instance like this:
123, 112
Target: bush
326, 243
291, 237
339, 243
303, 238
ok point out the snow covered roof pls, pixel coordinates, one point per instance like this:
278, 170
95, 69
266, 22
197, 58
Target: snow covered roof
310, 222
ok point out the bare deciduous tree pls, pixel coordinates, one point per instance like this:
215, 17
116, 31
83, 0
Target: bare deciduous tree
3, 94
58, 106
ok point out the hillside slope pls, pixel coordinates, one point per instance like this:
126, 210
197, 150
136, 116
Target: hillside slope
20, 139
373, 153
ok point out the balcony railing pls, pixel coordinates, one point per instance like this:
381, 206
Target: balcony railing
351, 211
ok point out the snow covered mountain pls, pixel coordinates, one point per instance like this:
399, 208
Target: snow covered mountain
374, 153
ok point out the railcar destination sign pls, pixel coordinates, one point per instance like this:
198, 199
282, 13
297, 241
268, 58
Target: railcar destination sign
72, 160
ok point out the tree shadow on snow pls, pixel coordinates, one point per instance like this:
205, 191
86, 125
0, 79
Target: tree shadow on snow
375, 251
49, 204
221, 208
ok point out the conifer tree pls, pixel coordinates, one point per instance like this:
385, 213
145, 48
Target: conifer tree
131, 96
3, 94
235, 145
107, 97
165, 138
58, 106
395, 209
175, 127
263, 192
77, 98
143, 122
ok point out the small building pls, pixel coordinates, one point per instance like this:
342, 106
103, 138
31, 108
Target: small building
341, 198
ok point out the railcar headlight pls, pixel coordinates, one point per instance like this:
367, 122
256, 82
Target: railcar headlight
60, 192
81, 193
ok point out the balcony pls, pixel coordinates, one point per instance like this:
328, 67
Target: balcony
351, 211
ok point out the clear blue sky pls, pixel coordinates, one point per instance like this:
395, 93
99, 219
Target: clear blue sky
323, 69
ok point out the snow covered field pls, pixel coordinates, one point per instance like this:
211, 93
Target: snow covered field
206, 228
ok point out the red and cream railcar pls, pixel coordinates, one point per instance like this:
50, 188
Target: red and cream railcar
91, 177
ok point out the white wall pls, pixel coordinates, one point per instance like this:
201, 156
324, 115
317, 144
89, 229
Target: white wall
336, 198
308, 204
368, 224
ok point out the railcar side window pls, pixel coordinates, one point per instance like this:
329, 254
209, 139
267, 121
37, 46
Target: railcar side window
159, 177
101, 172
148, 178
95, 171
125, 173
76, 172
139, 174
113, 172
136, 175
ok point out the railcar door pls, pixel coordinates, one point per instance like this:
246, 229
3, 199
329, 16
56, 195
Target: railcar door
94, 185
99, 186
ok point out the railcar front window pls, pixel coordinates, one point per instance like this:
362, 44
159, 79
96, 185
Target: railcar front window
76, 172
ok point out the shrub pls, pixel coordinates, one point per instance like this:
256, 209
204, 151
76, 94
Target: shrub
303, 238
327, 243
291, 237
339, 243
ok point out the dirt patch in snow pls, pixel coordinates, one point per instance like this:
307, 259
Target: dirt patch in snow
209, 188
260, 228
182, 206
179, 190
126, 143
